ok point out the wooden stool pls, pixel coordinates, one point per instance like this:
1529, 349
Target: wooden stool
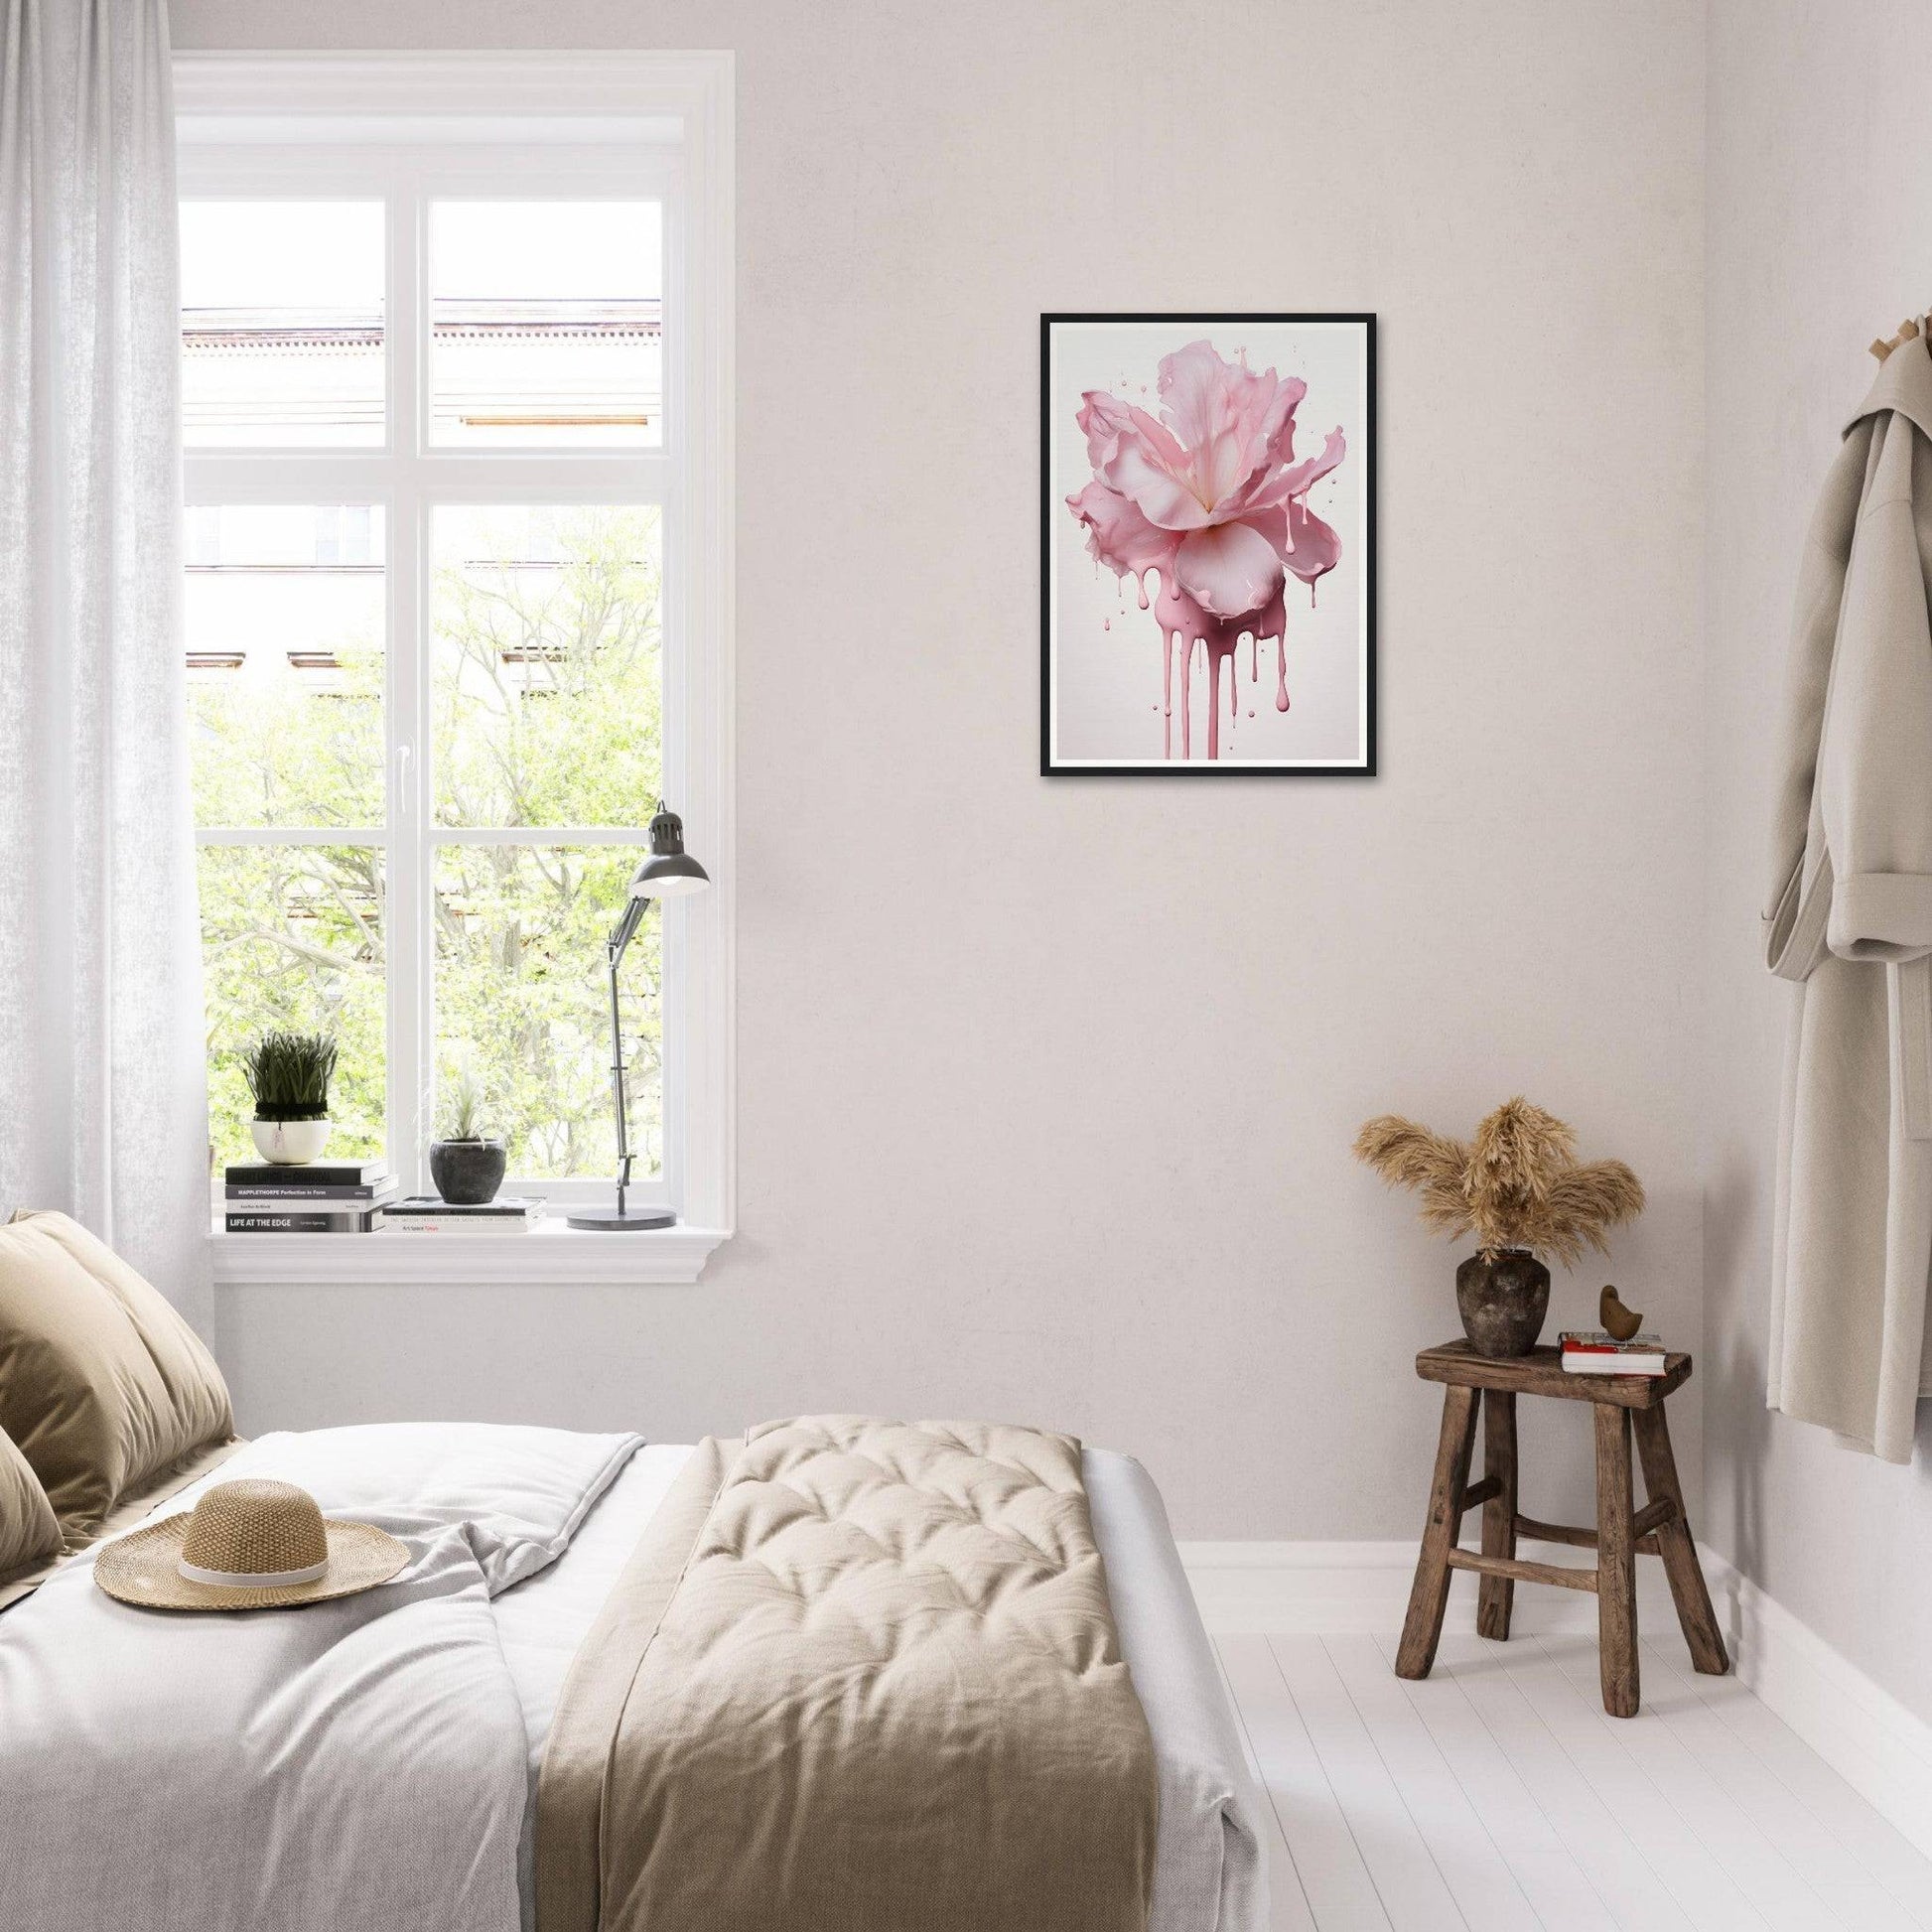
1659, 1529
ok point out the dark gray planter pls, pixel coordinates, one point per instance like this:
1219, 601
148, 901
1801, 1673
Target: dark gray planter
468, 1173
1503, 1299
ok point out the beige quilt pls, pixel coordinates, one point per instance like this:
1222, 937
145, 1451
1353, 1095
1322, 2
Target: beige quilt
860, 1675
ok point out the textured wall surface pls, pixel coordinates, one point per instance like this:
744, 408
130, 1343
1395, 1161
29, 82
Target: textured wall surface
1820, 238
1046, 1094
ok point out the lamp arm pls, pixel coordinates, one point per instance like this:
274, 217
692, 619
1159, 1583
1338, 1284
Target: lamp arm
615, 948
626, 928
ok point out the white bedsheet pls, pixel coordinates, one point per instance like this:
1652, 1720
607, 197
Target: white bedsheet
355, 1765
1210, 1875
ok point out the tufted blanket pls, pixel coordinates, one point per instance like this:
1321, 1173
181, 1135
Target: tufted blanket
860, 1676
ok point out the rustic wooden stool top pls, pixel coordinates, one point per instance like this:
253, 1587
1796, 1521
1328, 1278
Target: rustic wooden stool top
1619, 1405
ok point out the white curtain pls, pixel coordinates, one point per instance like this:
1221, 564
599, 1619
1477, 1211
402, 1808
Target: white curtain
101, 1063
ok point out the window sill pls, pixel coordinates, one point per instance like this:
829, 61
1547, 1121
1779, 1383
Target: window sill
550, 1253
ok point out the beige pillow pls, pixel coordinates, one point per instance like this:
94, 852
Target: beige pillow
29, 1534
102, 1384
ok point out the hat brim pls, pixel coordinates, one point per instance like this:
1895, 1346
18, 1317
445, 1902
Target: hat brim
142, 1569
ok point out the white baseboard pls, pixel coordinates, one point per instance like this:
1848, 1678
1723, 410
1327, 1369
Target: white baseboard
1880, 1747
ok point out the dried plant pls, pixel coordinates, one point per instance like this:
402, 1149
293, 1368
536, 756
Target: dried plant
1517, 1184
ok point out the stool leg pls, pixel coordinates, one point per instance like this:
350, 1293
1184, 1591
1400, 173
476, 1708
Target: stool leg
1495, 1595
1616, 1562
1429, 1597
1677, 1547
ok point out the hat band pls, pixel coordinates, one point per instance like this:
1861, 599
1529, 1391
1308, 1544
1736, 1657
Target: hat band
252, 1578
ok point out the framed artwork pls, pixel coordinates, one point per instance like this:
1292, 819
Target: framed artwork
1207, 544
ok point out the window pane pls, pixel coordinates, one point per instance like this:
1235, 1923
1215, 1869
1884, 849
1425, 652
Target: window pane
546, 322
281, 323
522, 1001
548, 675
284, 624
292, 938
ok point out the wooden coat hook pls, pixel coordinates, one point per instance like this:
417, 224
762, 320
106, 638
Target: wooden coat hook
1908, 332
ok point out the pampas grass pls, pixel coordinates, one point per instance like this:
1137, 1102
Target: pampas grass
1517, 1184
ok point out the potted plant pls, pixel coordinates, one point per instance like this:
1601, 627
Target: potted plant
289, 1075
1519, 1189
466, 1165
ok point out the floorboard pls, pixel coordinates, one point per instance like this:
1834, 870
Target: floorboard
1322, 1852
1407, 1880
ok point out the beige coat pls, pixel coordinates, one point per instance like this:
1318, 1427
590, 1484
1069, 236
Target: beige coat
1850, 919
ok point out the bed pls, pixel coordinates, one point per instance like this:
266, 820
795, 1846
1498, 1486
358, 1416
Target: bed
505, 1606
838, 1674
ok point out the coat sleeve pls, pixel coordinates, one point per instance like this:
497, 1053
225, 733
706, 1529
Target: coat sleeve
1796, 905
1875, 767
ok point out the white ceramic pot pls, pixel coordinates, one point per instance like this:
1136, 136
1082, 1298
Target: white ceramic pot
290, 1142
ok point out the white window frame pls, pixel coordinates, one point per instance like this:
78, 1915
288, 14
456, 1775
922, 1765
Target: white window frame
404, 129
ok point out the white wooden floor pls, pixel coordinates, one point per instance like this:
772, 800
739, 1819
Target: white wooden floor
1496, 1796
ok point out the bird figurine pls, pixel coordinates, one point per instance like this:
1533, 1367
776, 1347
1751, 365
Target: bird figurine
1618, 1322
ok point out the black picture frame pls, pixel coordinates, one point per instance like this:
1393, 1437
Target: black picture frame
1049, 504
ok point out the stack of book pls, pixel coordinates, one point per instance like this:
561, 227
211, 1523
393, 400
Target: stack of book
429, 1214
323, 1198
1593, 1351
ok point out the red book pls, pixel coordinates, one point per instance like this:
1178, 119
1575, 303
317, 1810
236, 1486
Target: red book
1592, 1352
1594, 1341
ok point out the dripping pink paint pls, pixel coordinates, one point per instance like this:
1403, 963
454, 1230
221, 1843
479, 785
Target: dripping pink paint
1208, 496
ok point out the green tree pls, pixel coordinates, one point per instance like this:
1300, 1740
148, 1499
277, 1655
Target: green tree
546, 694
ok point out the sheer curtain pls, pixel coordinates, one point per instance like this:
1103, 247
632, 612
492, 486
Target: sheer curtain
101, 1064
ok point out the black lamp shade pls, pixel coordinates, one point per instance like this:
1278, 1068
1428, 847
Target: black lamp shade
669, 871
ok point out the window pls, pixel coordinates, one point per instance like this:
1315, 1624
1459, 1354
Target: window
454, 346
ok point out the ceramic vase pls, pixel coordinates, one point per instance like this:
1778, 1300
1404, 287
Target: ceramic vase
290, 1142
468, 1173
1503, 1299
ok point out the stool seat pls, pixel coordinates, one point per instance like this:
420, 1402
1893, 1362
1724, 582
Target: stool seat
1541, 1372
1621, 1405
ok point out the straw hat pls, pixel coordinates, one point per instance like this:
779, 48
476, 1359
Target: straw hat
249, 1545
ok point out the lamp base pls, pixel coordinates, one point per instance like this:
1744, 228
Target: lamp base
615, 1220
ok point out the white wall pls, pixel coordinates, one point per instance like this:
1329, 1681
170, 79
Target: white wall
1820, 229
1046, 1088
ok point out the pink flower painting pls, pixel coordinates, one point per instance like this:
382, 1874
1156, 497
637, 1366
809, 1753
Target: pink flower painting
1199, 493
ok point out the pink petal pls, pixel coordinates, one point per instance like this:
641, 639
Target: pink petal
1105, 421
1298, 478
1102, 419
1234, 422
1119, 535
1197, 393
1229, 571
1265, 436
1271, 434
1316, 546
1164, 497
1160, 441
1237, 426
1221, 465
